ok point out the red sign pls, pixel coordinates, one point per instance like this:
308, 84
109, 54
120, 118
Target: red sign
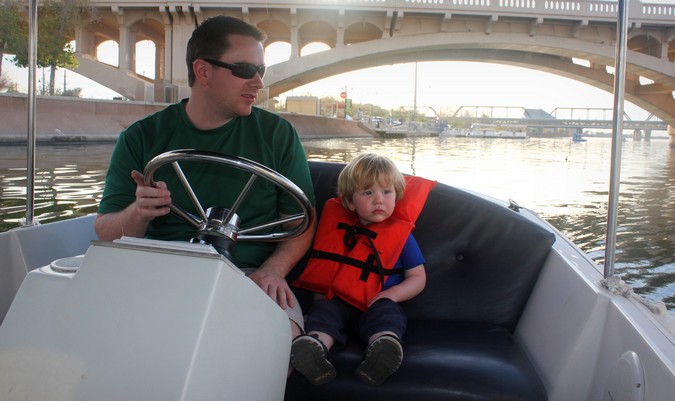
343, 95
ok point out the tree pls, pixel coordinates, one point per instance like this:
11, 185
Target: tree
72, 92
57, 22
400, 114
329, 105
4, 82
370, 110
11, 22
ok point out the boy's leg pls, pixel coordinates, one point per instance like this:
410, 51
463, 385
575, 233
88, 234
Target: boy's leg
309, 356
309, 352
382, 327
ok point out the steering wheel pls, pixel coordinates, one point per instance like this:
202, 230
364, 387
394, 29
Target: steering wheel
222, 224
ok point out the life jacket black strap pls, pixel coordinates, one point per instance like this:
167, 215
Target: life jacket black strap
352, 232
372, 264
368, 266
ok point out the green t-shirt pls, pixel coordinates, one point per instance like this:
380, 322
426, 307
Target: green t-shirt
262, 136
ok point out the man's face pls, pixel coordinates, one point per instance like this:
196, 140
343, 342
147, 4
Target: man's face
234, 95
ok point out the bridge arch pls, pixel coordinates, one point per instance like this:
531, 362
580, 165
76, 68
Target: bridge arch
543, 35
362, 32
646, 44
317, 31
277, 31
548, 54
126, 28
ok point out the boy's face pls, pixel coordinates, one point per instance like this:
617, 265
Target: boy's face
374, 204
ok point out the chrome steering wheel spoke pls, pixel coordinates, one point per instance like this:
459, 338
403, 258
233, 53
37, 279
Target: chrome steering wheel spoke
188, 189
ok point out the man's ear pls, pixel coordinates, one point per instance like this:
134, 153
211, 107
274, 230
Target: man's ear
202, 71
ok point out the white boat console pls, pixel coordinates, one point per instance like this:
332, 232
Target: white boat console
143, 320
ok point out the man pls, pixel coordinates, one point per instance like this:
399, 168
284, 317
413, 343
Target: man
225, 59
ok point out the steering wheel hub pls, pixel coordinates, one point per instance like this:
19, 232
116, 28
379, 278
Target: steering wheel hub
217, 232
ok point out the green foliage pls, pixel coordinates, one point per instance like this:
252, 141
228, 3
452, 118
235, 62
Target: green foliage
72, 92
369, 109
329, 105
400, 114
10, 28
459, 122
4, 82
11, 22
57, 22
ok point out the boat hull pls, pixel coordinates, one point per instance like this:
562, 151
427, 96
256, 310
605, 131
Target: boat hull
582, 335
584, 340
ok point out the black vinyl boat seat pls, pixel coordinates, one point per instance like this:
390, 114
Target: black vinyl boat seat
482, 263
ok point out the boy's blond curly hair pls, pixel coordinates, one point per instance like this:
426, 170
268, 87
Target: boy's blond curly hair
365, 170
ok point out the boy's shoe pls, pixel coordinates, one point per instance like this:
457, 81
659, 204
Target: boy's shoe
383, 357
310, 357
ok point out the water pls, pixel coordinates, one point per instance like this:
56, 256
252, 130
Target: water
565, 182
69, 181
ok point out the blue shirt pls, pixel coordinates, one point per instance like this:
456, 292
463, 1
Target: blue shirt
411, 256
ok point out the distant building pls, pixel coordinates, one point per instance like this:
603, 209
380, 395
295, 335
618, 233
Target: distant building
303, 105
539, 114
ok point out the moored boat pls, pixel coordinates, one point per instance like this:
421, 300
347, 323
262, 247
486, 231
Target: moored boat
454, 132
496, 131
577, 137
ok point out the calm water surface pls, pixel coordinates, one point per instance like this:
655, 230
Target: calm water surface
565, 182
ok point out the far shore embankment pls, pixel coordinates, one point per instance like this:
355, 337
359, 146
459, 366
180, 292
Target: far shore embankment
63, 119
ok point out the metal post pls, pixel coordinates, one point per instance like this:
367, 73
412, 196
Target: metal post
617, 137
30, 144
415, 94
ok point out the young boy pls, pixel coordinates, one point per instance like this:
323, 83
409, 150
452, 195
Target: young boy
365, 260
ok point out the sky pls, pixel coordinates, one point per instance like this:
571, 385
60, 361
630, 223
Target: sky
440, 87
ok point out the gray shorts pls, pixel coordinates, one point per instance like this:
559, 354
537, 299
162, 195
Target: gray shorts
294, 313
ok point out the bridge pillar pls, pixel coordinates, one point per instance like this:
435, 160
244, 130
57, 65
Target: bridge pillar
637, 135
295, 51
671, 134
125, 48
341, 29
182, 31
163, 89
84, 41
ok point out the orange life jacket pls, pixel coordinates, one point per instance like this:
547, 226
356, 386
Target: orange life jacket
352, 261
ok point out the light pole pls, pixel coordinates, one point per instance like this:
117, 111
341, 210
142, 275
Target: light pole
415, 96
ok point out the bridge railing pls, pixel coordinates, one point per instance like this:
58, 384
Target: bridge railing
595, 10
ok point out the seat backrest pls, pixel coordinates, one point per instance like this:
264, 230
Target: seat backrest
482, 259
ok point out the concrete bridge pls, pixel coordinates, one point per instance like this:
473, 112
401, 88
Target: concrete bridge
560, 118
544, 35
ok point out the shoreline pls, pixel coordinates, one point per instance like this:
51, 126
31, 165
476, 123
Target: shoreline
76, 120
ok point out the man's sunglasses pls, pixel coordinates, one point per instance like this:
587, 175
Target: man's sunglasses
239, 70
